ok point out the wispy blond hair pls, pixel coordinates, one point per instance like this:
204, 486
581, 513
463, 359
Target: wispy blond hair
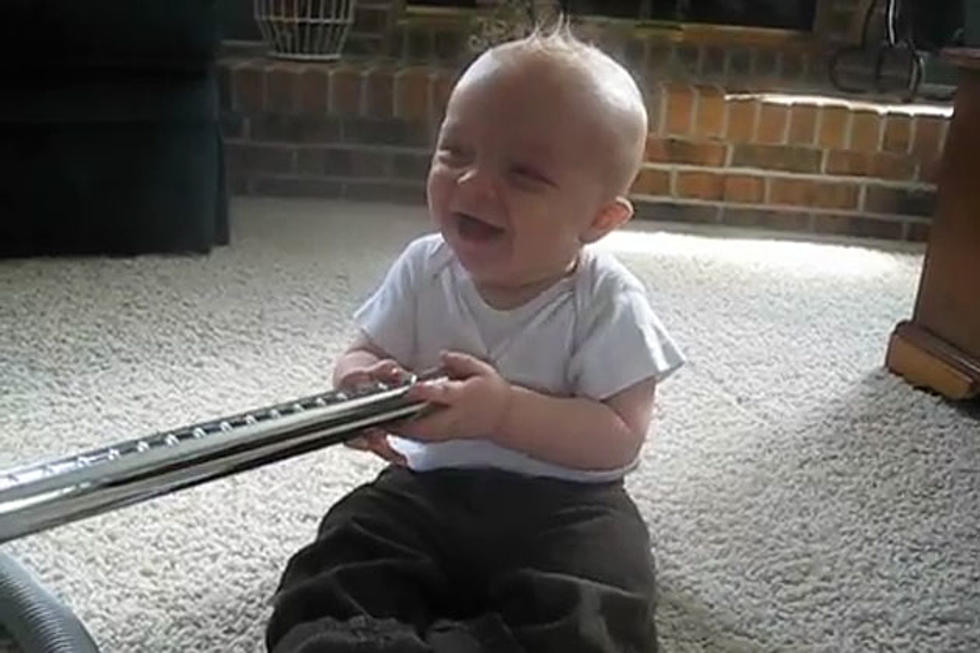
624, 108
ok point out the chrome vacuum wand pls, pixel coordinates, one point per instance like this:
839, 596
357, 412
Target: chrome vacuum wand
43, 495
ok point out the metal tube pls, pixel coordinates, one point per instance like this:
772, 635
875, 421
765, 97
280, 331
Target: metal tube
47, 494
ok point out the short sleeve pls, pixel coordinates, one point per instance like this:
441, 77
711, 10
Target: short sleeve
388, 316
625, 343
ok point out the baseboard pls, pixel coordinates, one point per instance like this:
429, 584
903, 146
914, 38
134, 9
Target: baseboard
925, 360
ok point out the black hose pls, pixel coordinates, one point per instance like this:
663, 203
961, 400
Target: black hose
36, 620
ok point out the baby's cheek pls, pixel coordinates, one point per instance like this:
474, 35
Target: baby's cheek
438, 188
442, 174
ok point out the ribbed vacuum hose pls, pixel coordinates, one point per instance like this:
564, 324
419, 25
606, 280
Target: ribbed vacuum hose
38, 621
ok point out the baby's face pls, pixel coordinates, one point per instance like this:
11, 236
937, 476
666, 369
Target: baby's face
517, 176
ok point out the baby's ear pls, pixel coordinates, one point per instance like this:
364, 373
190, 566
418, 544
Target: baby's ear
611, 216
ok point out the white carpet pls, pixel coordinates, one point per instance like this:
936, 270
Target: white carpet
800, 498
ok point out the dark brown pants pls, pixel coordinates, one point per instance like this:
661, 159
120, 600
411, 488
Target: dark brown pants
471, 560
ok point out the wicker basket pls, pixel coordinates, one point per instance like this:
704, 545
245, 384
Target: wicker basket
309, 30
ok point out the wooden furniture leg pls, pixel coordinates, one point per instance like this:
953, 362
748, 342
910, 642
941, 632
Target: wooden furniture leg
940, 347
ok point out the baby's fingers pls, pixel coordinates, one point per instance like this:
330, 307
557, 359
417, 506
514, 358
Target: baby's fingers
437, 392
364, 439
376, 441
384, 450
356, 379
388, 371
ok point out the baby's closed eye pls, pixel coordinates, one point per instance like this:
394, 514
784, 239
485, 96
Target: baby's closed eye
529, 175
452, 155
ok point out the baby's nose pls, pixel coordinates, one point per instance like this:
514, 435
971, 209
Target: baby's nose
479, 181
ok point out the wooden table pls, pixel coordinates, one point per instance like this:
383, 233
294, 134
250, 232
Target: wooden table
939, 347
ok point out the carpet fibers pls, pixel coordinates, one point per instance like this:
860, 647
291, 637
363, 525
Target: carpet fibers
800, 498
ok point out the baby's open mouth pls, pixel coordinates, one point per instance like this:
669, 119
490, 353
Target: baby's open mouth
473, 228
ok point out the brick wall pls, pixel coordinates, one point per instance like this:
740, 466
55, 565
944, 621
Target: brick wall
359, 131
830, 167
739, 60
364, 129
792, 63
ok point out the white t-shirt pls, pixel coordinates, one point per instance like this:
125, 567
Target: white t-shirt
592, 334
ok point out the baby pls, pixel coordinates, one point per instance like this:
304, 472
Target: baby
502, 522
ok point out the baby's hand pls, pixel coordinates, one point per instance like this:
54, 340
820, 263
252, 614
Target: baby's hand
384, 371
471, 404
375, 439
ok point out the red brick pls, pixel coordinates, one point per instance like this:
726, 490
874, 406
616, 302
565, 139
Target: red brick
635, 53
928, 133
680, 103
918, 232
379, 93
930, 169
248, 87
652, 182
766, 63
773, 120
368, 163
282, 87
711, 111
260, 158
746, 189
880, 164
833, 126
900, 201
864, 131
803, 124
653, 99
713, 62
792, 69
658, 58
345, 91
803, 192
309, 161
742, 115
861, 227
442, 87
818, 70
897, 135
677, 212
610, 41
848, 162
700, 185
892, 166
775, 219
840, 24
294, 129
296, 187
370, 19
739, 62
330, 161
371, 131
676, 150
687, 59
238, 185
449, 44
411, 165
313, 90
402, 192
233, 125
235, 155
412, 93
791, 158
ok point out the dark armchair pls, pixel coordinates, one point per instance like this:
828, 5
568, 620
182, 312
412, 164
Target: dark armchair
109, 133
